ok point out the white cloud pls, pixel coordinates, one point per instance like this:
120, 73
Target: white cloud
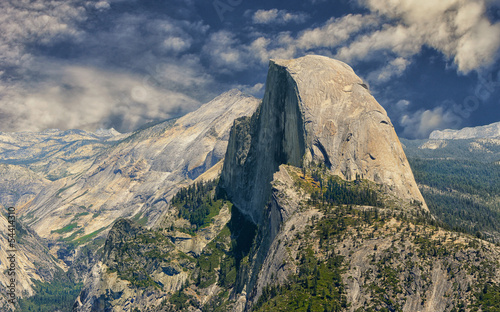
177, 44
390, 35
159, 80
102, 5
182, 74
275, 16
334, 32
225, 52
394, 68
36, 22
421, 123
180, 57
256, 90
459, 29
397, 39
89, 98
403, 105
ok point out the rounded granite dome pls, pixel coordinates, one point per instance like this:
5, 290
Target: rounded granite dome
316, 109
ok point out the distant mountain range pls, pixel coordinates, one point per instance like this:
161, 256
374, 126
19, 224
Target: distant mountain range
491, 131
71, 186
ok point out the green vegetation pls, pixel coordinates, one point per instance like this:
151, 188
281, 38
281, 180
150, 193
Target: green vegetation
465, 176
68, 228
140, 219
317, 287
454, 150
197, 203
54, 176
58, 193
73, 235
332, 190
488, 299
344, 193
81, 214
89, 237
210, 260
464, 194
180, 300
140, 251
222, 258
58, 295
462, 213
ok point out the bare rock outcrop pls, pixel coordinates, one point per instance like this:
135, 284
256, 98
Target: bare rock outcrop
491, 131
137, 175
315, 109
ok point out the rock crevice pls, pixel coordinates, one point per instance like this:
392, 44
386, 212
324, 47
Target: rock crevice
307, 116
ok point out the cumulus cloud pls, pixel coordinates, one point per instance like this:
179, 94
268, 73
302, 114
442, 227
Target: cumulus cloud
256, 90
334, 32
402, 105
182, 60
397, 39
275, 16
177, 44
419, 124
36, 22
89, 98
102, 5
394, 68
226, 51
459, 29
157, 80
391, 34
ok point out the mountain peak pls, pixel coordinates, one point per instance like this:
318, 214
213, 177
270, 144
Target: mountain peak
111, 132
315, 110
490, 131
319, 68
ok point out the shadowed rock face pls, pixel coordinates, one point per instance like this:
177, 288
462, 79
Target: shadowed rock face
314, 109
133, 176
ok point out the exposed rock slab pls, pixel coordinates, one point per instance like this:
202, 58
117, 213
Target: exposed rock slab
491, 131
315, 109
136, 176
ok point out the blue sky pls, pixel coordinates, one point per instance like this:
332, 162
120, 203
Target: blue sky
123, 63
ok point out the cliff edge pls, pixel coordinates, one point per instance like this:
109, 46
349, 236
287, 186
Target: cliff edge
315, 110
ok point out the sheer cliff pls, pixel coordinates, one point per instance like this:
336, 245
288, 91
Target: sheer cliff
70, 186
316, 209
315, 110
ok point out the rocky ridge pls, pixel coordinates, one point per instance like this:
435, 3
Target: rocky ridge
70, 186
491, 131
315, 110
136, 176
33, 262
326, 232
369, 246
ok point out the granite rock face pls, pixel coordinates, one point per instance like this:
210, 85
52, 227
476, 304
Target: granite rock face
491, 131
32, 260
66, 185
315, 110
137, 175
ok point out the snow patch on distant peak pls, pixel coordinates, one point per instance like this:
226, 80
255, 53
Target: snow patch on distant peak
490, 131
111, 132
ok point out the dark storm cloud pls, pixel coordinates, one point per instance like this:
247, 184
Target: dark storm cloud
87, 64
127, 74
